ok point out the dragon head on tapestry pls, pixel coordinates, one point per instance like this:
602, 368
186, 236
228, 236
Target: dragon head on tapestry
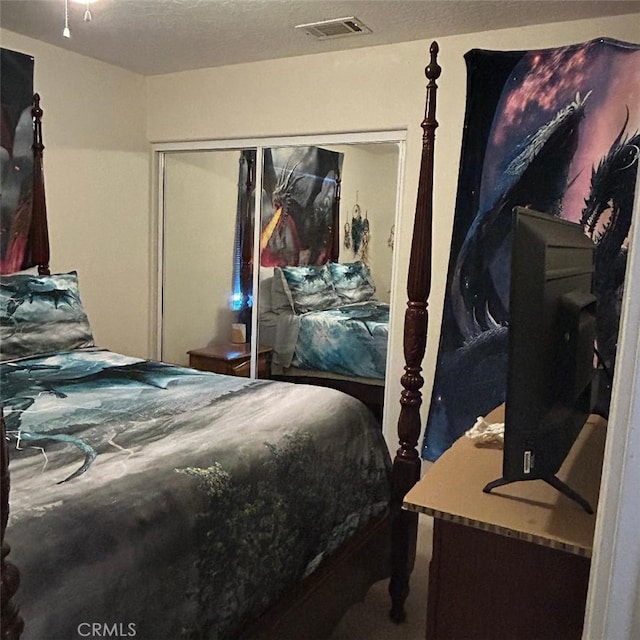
301, 196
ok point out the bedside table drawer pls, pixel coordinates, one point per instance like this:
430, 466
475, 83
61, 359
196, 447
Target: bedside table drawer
218, 365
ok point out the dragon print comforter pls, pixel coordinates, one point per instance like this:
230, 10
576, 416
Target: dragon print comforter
172, 502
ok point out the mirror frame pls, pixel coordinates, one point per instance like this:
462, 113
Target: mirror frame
159, 152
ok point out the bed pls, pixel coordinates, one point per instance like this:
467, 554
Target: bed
159, 501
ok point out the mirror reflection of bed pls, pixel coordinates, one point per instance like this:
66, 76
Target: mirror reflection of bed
327, 319
198, 247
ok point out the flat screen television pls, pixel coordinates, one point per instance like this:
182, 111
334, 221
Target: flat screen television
552, 330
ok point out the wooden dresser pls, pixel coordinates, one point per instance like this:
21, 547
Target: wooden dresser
514, 563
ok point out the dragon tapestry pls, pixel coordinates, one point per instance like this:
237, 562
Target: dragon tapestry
300, 196
16, 138
556, 130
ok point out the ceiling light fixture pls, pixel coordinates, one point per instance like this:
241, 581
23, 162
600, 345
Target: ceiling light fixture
87, 13
87, 17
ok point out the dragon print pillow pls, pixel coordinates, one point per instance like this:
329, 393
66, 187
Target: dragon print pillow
352, 281
310, 288
41, 315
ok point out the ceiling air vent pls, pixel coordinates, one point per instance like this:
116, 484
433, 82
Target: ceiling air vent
335, 28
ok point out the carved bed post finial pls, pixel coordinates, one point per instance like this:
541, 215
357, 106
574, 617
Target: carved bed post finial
406, 465
11, 624
38, 230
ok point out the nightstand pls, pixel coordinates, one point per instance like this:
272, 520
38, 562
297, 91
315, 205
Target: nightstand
230, 359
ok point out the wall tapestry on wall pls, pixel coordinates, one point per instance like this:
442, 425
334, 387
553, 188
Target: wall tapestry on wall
556, 130
16, 156
300, 206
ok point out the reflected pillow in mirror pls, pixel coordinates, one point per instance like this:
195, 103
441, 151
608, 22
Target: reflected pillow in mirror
310, 288
352, 281
41, 315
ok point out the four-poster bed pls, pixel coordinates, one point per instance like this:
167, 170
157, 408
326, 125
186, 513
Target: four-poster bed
381, 543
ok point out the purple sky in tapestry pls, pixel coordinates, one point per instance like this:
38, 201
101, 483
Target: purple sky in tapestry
299, 212
556, 130
16, 157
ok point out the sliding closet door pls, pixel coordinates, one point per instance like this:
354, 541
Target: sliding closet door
368, 205
217, 257
320, 204
200, 269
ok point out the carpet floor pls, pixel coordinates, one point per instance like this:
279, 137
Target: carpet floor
369, 620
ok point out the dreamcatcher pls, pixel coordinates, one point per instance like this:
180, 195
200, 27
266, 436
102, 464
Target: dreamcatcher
364, 240
357, 234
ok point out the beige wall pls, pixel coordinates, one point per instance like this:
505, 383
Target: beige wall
96, 165
378, 88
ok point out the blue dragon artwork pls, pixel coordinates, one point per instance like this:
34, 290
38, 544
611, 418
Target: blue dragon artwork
556, 130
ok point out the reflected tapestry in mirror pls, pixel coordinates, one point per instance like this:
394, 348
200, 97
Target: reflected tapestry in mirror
300, 205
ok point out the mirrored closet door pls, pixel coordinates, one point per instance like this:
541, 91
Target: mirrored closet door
326, 253
233, 220
204, 213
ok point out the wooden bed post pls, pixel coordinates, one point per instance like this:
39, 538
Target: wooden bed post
406, 465
11, 624
38, 231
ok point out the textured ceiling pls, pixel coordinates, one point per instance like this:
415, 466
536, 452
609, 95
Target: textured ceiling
161, 36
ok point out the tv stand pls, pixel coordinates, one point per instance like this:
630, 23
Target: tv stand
555, 482
514, 565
